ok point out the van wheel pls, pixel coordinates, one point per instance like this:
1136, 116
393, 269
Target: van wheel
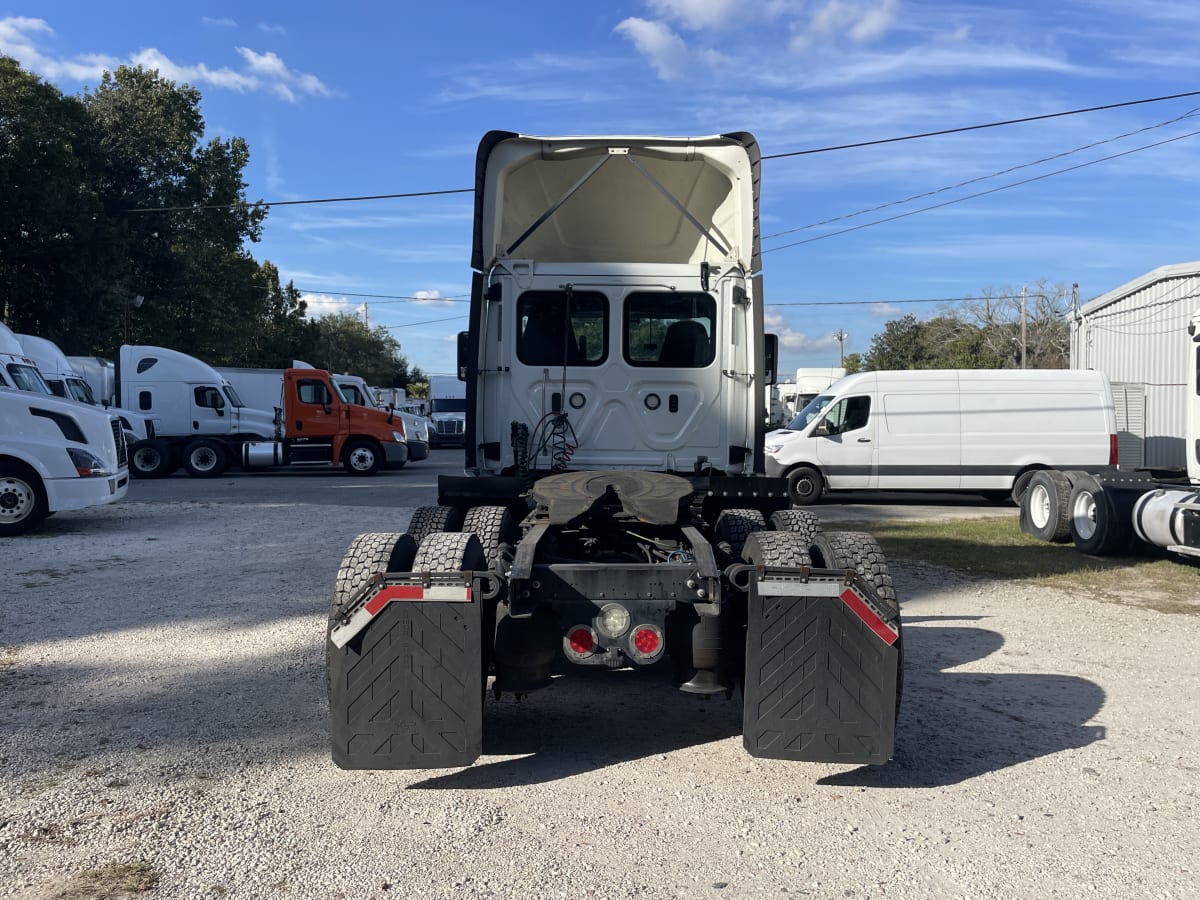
205, 458
805, 485
151, 459
22, 500
1045, 507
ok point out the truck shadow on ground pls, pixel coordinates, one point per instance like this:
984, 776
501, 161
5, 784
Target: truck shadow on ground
953, 726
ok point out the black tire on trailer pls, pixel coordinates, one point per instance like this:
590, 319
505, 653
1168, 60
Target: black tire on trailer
493, 525
428, 520
1099, 519
205, 458
861, 552
152, 458
369, 555
777, 548
735, 525
400, 692
1045, 507
362, 456
23, 503
805, 485
797, 521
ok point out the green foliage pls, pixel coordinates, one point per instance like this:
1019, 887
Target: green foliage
115, 194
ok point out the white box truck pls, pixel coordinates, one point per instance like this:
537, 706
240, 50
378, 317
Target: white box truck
979, 430
55, 455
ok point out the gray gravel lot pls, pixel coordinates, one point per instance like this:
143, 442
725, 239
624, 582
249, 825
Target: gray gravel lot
162, 699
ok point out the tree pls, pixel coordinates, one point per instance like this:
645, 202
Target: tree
901, 345
998, 314
59, 251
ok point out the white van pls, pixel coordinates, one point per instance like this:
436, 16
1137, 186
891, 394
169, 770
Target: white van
980, 430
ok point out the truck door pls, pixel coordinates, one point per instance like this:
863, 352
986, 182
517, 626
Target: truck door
315, 418
845, 442
208, 409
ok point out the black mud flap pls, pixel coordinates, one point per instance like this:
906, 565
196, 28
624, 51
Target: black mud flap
406, 692
821, 674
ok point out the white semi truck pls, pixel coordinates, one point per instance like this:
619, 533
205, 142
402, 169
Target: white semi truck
1106, 512
64, 381
614, 513
55, 454
447, 404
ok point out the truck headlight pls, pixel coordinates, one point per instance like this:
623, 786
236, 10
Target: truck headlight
87, 464
398, 437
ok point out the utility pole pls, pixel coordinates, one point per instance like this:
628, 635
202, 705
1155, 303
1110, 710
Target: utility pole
366, 317
1022, 327
840, 336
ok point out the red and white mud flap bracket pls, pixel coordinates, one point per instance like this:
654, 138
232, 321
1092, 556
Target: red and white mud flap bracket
822, 666
406, 672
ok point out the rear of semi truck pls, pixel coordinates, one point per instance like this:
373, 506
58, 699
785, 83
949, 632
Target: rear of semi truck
614, 513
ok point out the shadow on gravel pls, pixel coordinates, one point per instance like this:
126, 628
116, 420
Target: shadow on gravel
587, 721
955, 726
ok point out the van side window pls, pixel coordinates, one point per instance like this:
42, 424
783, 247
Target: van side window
144, 401
848, 415
312, 391
208, 398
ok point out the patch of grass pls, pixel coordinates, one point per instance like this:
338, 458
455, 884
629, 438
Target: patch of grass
113, 880
995, 547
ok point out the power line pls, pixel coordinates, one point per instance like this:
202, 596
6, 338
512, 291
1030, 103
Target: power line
429, 322
862, 212
913, 137
896, 302
891, 140
457, 298
269, 203
995, 190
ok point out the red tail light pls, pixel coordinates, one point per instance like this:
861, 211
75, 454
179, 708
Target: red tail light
1112, 450
645, 643
580, 642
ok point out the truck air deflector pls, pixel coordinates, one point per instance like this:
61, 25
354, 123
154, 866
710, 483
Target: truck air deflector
721, 248
554, 208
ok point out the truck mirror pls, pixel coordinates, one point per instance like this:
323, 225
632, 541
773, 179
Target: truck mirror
771, 358
464, 363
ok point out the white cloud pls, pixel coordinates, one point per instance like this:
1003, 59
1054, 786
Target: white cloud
697, 14
19, 38
776, 324
218, 23
321, 305
266, 28
860, 20
885, 310
665, 49
433, 298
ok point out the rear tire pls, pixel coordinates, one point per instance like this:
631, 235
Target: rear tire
428, 520
205, 458
735, 525
805, 485
494, 526
23, 503
1045, 508
797, 521
152, 458
1097, 524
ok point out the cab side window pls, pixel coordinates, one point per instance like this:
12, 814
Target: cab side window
208, 398
312, 391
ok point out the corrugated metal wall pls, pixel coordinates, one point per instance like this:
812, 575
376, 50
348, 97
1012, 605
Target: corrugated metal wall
1140, 339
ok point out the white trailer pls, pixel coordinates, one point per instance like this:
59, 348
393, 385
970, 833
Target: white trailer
55, 455
1105, 512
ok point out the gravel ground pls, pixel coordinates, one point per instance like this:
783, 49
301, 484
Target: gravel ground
163, 703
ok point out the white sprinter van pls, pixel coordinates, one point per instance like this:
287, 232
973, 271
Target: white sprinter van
980, 430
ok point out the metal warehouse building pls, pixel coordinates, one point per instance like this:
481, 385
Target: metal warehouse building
1137, 335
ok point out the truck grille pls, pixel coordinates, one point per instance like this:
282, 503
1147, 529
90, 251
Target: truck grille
450, 426
119, 438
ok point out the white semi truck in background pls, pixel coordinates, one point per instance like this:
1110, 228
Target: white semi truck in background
447, 404
1106, 512
64, 381
614, 513
55, 454
416, 428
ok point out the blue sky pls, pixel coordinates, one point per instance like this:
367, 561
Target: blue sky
349, 99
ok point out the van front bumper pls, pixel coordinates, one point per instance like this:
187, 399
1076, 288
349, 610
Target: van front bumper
772, 467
